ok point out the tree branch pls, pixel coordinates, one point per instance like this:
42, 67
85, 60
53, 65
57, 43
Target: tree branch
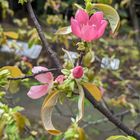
42, 36
110, 116
33, 75
99, 107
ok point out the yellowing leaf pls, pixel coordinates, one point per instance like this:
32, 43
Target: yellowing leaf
21, 121
120, 137
2, 125
13, 86
64, 31
81, 132
80, 103
93, 90
46, 113
14, 71
11, 35
111, 14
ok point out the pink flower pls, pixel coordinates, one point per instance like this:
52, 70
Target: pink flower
77, 72
46, 79
60, 79
88, 28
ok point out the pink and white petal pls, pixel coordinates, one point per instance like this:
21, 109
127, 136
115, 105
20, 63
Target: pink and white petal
75, 27
59, 79
89, 33
102, 28
37, 69
43, 78
36, 92
82, 16
96, 19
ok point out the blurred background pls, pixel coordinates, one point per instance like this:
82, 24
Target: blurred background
20, 46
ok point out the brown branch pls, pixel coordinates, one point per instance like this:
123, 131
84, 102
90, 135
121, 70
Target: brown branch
110, 116
100, 108
33, 75
42, 36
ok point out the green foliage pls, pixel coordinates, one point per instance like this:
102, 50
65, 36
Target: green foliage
120, 137
9, 126
22, 1
5, 8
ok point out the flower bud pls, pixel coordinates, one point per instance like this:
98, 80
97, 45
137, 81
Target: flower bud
77, 72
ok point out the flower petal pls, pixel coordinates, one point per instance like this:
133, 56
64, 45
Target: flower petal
43, 78
102, 28
89, 33
36, 92
75, 27
37, 69
81, 16
59, 79
96, 19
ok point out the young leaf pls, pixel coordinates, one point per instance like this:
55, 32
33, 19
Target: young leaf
94, 91
11, 35
22, 1
80, 103
111, 14
64, 31
46, 112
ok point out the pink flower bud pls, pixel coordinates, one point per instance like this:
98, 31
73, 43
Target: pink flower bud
77, 72
60, 79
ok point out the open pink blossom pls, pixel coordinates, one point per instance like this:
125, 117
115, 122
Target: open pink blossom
88, 28
46, 79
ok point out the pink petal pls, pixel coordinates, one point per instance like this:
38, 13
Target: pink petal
59, 79
43, 78
96, 19
36, 92
102, 28
81, 16
37, 69
75, 27
89, 33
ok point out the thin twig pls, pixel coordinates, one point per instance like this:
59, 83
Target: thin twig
42, 36
105, 119
33, 75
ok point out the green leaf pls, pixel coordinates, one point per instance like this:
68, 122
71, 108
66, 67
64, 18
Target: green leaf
88, 58
78, 6
13, 86
105, 1
111, 14
64, 30
22, 1
65, 71
80, 103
